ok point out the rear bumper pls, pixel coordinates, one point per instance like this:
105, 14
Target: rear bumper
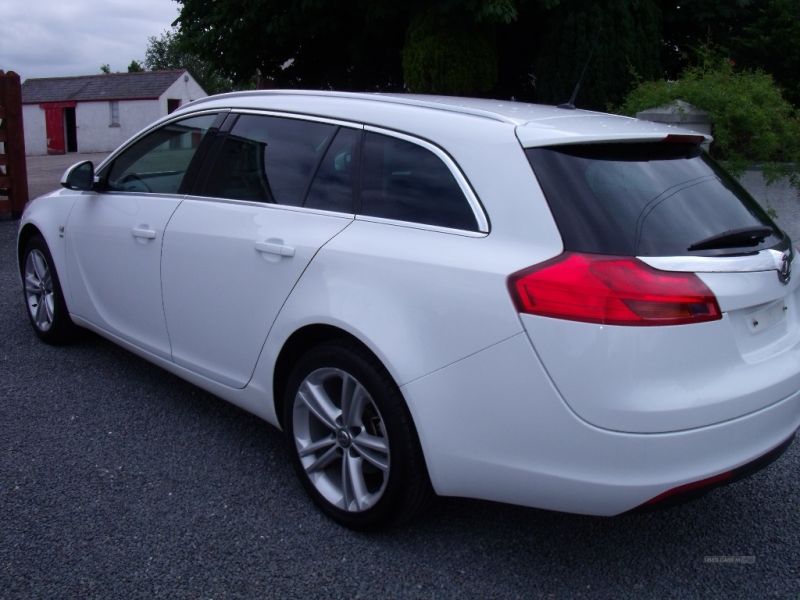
492, 426
697, 489
683, 377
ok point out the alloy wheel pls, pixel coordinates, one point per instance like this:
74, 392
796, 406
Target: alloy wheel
39, 291
341, 439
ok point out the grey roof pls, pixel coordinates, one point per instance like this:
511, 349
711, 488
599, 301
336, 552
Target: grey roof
114, 86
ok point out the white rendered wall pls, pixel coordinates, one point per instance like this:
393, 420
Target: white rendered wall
185, 89
95, 132
34, 129
93, 120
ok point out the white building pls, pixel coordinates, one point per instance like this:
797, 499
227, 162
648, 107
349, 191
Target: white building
96, 113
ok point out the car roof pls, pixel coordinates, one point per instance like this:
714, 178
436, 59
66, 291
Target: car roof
535, 124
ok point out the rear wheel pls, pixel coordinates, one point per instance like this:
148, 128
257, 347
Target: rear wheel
352, 440
43, 297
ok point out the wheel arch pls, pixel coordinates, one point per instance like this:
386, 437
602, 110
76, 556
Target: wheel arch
26, 233
300, 342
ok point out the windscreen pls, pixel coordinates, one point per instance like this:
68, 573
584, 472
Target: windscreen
649, 199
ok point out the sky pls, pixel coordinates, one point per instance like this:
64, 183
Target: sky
53, 38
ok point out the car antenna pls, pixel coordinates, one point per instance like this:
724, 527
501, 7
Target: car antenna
570, 104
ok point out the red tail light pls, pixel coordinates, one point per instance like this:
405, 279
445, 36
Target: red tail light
613, 290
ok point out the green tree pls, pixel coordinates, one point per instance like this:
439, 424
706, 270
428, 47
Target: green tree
627, 37
167, 52
449, 60
318, 44
770, 40
445, 46
752, 122
135, 67
106, 69
690, 25
757, 34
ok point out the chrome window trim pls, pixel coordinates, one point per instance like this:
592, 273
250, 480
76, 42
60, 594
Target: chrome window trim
274, 206
331, 213
463, 184
423, 226
296, 116
458, 175
765, 260
157, 125
145, 194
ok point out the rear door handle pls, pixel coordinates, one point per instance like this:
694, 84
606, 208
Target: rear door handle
143, 232
274, 248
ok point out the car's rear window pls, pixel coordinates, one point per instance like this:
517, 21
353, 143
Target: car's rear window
646, 199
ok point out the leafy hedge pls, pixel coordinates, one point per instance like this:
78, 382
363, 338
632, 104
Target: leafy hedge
752, 123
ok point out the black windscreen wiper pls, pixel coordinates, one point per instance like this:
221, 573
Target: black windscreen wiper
733, 238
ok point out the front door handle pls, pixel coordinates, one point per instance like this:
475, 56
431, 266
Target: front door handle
143, 232
274, 248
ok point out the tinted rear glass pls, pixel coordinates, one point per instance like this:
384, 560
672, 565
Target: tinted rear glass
651, 199
332, 188
404, 181
268, 159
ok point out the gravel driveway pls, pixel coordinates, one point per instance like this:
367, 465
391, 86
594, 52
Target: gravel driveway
118, 480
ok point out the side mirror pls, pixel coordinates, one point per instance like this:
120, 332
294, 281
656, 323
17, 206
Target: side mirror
79, 176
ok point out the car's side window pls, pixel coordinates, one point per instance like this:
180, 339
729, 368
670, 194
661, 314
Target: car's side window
268, 159
405, 181
332, 188
158, 162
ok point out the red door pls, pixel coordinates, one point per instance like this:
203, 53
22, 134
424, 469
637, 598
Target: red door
54, 125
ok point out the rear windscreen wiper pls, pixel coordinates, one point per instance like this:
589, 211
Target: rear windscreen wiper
733, 238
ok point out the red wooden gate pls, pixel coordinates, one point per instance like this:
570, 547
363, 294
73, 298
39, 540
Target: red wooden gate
13, 171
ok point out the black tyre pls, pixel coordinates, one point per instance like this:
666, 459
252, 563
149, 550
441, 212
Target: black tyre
352, 440
43, 297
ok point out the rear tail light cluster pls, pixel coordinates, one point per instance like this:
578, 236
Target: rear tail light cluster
612, 290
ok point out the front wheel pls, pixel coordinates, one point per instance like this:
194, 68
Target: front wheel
351, 438
43, 297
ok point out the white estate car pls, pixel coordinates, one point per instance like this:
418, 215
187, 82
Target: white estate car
548, 307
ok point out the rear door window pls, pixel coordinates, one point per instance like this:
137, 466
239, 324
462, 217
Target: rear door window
268, 159
648, 199
334, 182
404, 181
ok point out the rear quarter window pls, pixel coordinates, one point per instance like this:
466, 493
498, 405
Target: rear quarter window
644, 199
404, 181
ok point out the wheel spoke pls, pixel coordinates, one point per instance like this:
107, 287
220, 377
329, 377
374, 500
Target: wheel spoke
324, 460
354, 397
40, 317
373, 449
39, 265
354, 487
31, 283
372, 442
49, 306
318, 402
48, 282
313, 447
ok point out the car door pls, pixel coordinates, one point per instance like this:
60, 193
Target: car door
277, 190
114, 236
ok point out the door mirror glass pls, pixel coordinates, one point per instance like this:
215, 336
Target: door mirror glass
79, 176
